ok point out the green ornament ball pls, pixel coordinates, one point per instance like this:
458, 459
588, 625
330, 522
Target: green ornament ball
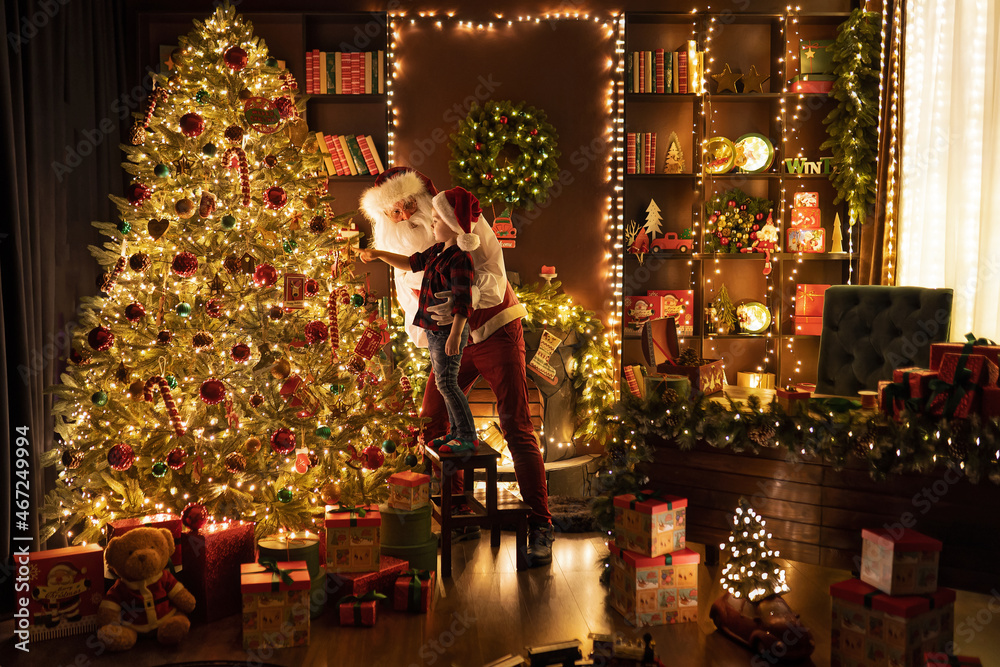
271, 62
358, 300
293, 243
287, 246
201, 96
410, 460
183, 309
336, 389
161, 170
209, 149
228, 221
100, 398
285, 495
388, 446
124, 226
323, 432
171, 381
159, 469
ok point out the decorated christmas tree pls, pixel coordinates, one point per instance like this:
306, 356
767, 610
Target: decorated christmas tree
752, 572
232, 367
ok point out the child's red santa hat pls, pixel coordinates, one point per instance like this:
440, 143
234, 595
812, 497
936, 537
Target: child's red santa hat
392, 186
459, 208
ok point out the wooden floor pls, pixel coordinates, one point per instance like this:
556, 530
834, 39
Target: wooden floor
488, 609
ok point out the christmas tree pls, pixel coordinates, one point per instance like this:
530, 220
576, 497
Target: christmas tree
653, 220
232, 368
752, 572
673, 162
725, 311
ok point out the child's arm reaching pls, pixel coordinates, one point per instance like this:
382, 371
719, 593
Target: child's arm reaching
454, 342
401, 262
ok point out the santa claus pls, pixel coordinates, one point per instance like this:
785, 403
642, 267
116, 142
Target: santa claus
399, 208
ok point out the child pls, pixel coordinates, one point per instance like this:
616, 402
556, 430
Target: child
447, 266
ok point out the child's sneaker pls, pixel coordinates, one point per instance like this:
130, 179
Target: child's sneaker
436, 443
459, 445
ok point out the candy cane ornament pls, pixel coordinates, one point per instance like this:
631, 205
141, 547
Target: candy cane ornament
168, 400
241, 156
108, 280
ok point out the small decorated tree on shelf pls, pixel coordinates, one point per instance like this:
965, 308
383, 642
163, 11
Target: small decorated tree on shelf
232, 368
734, 218
654, 221
725, 311
752, 571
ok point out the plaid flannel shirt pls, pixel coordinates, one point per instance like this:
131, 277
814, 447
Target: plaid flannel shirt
444, 269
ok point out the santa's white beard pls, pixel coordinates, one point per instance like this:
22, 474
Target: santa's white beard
408, 236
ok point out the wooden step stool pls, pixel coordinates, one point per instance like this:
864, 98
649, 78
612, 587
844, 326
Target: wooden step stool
490, 509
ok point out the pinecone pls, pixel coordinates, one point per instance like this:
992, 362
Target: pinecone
673, 418
689, 358
235, 462
670, 396
761, 435
139, 262
232, 265
202, 339
317, 225
957, 448
72, 458
863, 444
285, 107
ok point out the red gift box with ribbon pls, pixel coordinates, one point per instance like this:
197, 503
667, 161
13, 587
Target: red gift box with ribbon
212, 559
275, 604
809, 299
353, 536
900, 562
972, 345
945, 660
918, 379
359, 583
414, 591
650, 523
359, 610
959, 391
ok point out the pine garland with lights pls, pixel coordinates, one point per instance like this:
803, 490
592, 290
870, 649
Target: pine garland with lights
734, 218
505, 152
853, 124
752, 571
221, 370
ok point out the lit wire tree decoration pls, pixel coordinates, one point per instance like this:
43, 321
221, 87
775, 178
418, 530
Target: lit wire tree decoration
752, 571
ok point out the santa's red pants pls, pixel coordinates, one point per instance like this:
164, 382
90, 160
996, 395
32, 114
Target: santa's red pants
500, 361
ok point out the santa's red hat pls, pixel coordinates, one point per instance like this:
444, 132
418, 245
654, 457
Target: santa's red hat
392, 186
459, 208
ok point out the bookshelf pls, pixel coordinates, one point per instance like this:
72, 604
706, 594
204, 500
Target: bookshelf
794, 124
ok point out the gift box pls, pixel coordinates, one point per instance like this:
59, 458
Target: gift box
809, 299
678, 304
806, 218
639, 310
813, 83
900, 562
409, 490
298, 547
414, 591
945, 660
212, 559
805, 200
816, 56
360, 583
659, 342
171, 522
708, 378
359, 610
807, 240
918, 379
352, 538
650, 524
792, 400
959, 390
275, 604
808, 326
981, 371
973, 345
66, 588
655, 591
889, 400
871, 628
991, 402
657, 384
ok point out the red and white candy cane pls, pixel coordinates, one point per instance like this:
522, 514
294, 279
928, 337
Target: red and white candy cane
239, 154
109, 279
168, 400
331, 310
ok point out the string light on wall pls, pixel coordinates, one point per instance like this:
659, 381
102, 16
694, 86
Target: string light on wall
889, 239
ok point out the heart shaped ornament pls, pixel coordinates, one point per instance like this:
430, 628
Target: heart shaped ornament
157, 228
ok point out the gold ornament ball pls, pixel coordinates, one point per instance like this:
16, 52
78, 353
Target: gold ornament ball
331, 492
136, 389
252, 445
281, 369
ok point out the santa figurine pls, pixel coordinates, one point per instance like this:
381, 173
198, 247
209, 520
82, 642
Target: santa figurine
767, 238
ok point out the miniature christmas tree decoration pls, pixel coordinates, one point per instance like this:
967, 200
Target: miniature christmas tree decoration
837, 241
674, 161
752, 571
725, 311
653, 220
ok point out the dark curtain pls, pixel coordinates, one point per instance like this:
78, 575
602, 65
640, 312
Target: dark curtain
875, 257
62, 76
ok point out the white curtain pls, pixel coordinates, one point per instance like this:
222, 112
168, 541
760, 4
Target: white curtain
949, 221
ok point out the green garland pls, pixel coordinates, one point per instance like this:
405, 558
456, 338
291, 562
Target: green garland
853, 125
505, 152
593, 378
734, 217
830, 430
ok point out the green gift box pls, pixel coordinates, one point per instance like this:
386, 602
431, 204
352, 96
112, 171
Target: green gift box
816, 56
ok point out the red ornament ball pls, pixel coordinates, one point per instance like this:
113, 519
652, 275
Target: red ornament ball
100, 338
236, 58
79, 357
164, 337
503, 120
316, 332
185, 264
311, 288
192, 125
121, 457
285, 107
731, 203
176, 458
234, 133
283, 441
489, 177
137, 194
533, 132
212, 391
256, 401
743, 207
213, 308
479, 146
240, 353
194, 516
275, 197
759, 216
139, 262
275, 313
134, 312
372, 457
265, 275
317, 225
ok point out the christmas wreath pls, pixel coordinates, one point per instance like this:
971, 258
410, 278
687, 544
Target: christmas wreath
734, 218
505, 152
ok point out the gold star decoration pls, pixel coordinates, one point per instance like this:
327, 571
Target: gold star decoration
182, 165
753, 82
726, 79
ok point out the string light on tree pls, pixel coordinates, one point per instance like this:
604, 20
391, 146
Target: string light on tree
752, 571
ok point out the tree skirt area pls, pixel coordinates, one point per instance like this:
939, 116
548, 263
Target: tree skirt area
571, 515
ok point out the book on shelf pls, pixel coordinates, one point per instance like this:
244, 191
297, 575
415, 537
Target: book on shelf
331, 168
660, 77
630, 153
366, 153
642, 72
640, 153
379, 168
345, 73
346, 152
349, 155
682, 69
315, 74
340, 159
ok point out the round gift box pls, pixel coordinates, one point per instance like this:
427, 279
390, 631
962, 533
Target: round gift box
421, 556
283, 547
402, 528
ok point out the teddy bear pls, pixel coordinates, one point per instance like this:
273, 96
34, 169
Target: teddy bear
146, 597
